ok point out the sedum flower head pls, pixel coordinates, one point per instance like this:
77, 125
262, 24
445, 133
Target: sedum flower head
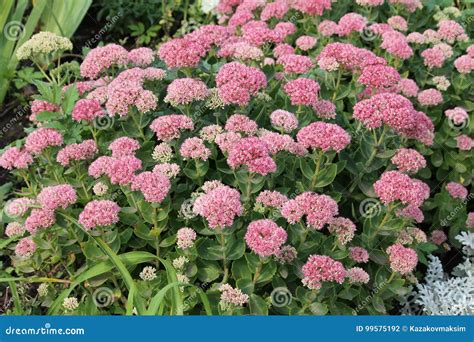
70, 303
43, 290
43, 43
148, 273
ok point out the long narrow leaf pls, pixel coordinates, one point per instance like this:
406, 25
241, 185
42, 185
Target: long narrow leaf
17, 310
129, 259
156, 304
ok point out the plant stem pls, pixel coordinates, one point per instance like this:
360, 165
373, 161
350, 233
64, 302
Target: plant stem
336, 88
257, 272
316, 172
224, 260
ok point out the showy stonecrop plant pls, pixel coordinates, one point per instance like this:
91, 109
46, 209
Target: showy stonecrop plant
297, 158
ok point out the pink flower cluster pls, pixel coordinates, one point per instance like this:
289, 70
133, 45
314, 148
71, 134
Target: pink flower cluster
411, 212
451, 31
127, 90
15, 158
318, 209
99, 213
57, 196
408, 160
349, 56
430, 97
14, 229
295, 64
185, 237
277, 142
357, 275
25, 247
359, 254
239, 123
169, 127
470, 220
343, 228
380, 77
76, 152
120, 170
265, 237
457, 115
219, 206
253, 153
19, 206
231, 296
87, 110
464, 143
302, 91
123, 146
312, 7
402, 259
396, 186
194, 148
305, 43
41, 139
464, 64
284, 120
153, 185
408, 87
39, 218
183, 91
141, 57
350, 22
321, 268
181, 53
39, 106
456, 190
101, 58
396, 44
438, 237
271, 199
237, 82
398, 113
325, 109
324, 136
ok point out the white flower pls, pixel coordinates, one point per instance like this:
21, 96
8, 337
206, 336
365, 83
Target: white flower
100, 189
148, 273
70, 303
43, 290
179, 263
208, 5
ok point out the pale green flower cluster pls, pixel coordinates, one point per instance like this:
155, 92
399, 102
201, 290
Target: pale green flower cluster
43, 43
447, 13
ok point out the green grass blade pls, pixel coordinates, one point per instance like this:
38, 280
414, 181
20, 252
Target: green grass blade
157, 303
130, 259
172, 278
17, 310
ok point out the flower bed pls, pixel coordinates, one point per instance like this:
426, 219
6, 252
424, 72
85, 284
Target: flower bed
297, 158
